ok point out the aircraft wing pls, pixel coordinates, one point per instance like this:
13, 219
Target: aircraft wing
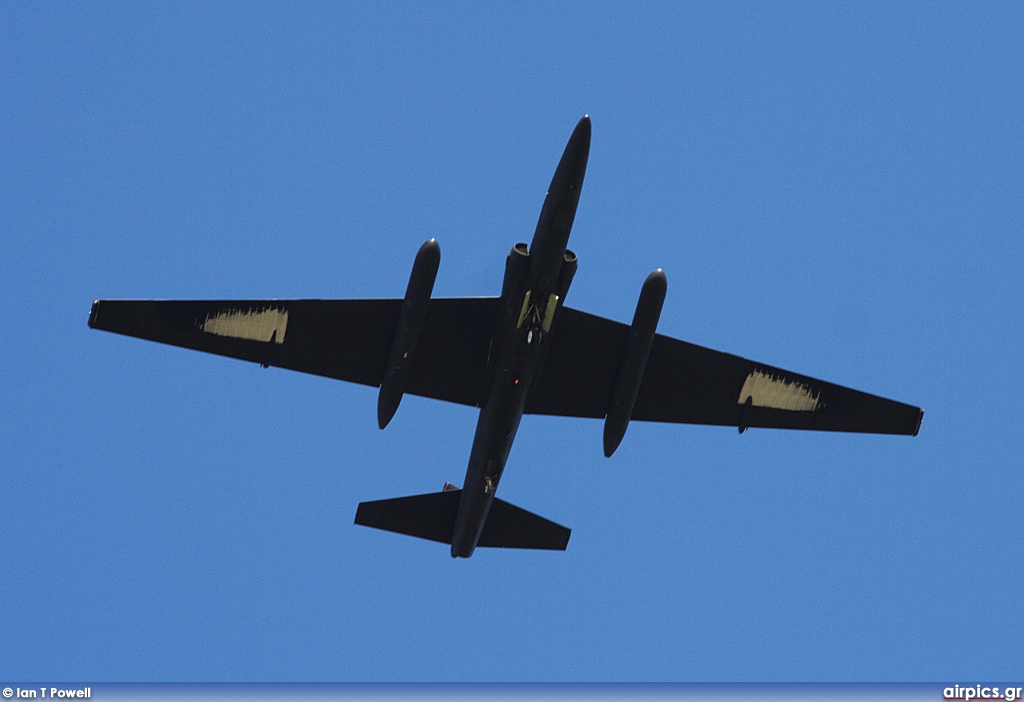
691, 384
343, 339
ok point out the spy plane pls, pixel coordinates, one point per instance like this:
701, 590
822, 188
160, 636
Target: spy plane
521, 352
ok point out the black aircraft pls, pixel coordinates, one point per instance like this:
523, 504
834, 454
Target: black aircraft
520, 352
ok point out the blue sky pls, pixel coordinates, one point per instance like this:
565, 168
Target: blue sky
831, 190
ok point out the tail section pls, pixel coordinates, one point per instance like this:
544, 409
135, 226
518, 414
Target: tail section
432, 516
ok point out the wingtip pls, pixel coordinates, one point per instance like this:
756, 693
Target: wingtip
92, 313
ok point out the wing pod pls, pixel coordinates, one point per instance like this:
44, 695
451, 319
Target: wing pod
407, 332
634, 359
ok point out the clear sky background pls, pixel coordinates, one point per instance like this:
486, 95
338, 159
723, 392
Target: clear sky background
836, 191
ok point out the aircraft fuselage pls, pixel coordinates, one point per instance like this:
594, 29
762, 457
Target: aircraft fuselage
529, 305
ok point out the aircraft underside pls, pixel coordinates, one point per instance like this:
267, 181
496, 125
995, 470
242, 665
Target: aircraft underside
522, 352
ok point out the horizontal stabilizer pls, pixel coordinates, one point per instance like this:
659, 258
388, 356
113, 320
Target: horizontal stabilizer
432, 516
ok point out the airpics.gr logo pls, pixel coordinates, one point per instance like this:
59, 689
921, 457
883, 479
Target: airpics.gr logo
981, 693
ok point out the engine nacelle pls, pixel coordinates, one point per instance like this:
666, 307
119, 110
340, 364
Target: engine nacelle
634, 359
565, 275
516, 265
407, 332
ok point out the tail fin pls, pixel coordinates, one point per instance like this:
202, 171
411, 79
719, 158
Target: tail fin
432, 516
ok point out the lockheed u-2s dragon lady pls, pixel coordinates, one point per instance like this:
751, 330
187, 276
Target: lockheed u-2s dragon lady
520, 352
